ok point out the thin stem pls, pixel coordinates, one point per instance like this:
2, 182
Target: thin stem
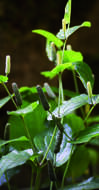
38, 179
75, 82
28, 134
9, 188
54, 132
89, 112
51, 185
9, 94
66, 169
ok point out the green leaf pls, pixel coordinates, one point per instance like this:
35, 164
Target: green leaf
71, 30
59, 68
51, 37
87, 134
25, 110
90, 183
69, 106
80, 159
67, 14
34, 125
42, 142
93, 119
4, 101
3, 78
85, 73
14, 158
71, 56
75, 122
23, 138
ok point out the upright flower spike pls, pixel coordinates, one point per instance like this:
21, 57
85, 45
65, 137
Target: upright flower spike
17, 94
49, 91
43, 98
58, 58
7, 64
89, 89
64, 25
53, 51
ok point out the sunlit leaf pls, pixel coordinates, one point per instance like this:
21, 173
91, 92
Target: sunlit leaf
51, 37
23, 138
59, 68
4, 101
67, 14
70, 105
25, 110
3, 78
71, 30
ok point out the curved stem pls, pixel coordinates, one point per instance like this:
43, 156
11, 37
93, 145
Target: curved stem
54, 132
9, 95
66, 169
89, 112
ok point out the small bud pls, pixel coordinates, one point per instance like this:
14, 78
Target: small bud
89, 89
69, 47
58, 58
6, 131
64, 25
7, 65
53, 52
51, 171
49, 91
17, 94
43, 98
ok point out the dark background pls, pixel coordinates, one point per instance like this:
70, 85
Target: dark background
28, 58
17, 20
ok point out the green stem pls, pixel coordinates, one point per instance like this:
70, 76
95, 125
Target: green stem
9, 94
54, 132
28, 134
75, 82
9, 188
38, 179
51, 185
89, 113
66, 169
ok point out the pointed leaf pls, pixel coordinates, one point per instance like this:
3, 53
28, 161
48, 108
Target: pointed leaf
71, 56
25, 110
85, 73
87, 134
59, 68
13, 159
4, 101
51, 37
67, 14
3, 78
91, 183
70, 105
23, 138
71, 30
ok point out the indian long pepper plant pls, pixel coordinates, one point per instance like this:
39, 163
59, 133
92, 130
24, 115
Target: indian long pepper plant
51, 129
